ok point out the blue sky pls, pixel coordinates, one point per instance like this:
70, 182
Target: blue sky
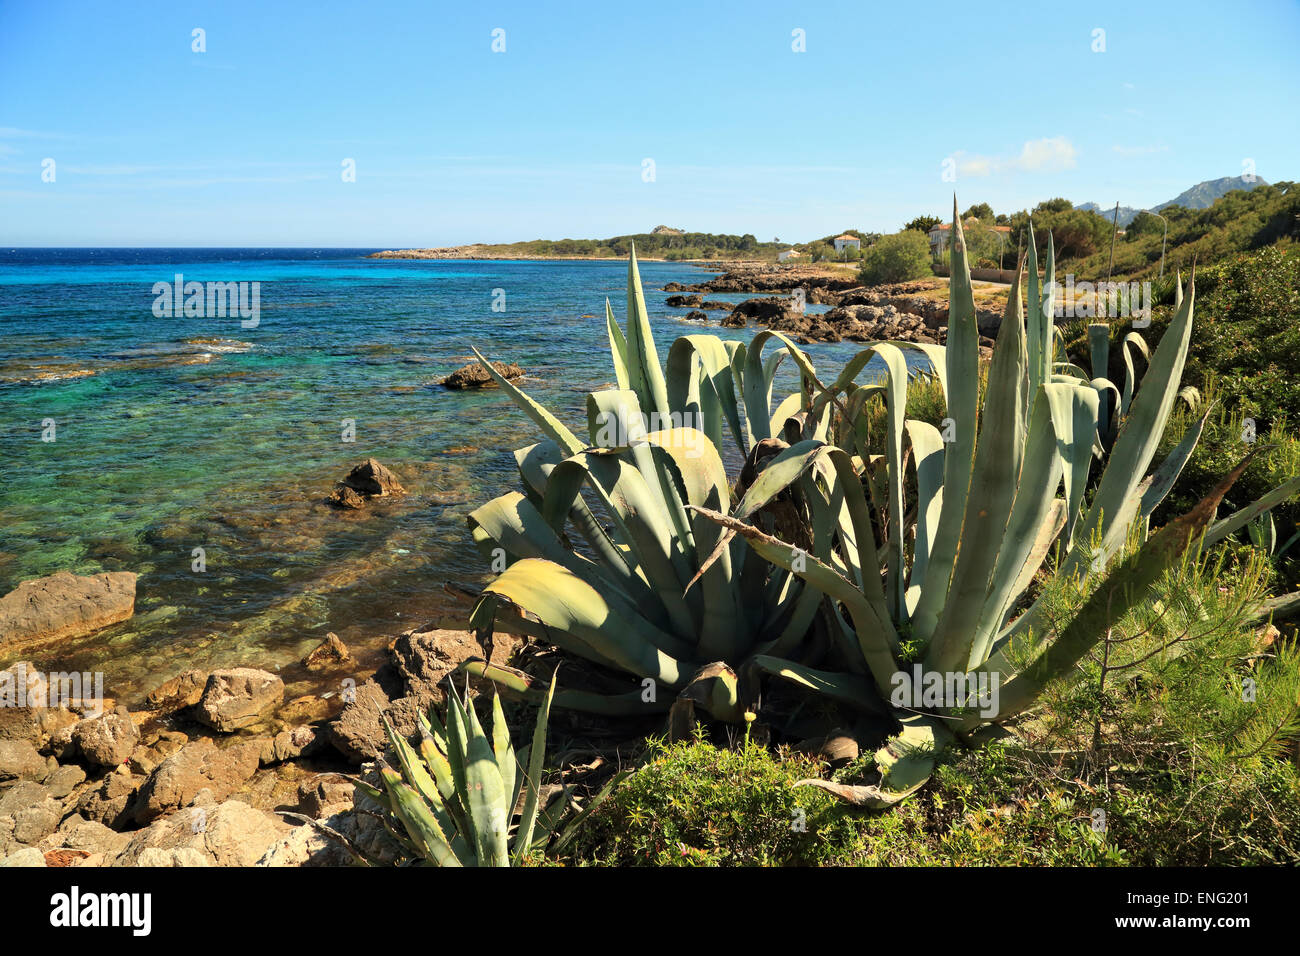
244, 144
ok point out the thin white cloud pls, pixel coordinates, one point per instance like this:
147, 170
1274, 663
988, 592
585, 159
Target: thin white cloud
1037, 155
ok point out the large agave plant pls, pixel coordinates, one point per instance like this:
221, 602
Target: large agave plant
657, 592
934, 582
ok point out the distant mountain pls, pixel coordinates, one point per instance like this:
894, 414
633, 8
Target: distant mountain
1126, 213
666, 231
1200, 196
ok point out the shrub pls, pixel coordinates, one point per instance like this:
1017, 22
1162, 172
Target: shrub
897, 258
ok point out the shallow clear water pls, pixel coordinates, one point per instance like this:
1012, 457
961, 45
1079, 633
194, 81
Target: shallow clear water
179, 433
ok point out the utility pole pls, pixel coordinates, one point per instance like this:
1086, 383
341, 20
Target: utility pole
1162, 243
1114, 228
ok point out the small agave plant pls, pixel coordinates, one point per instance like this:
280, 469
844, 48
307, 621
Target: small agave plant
934, 584
452, 800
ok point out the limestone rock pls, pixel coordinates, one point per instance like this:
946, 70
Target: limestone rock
329, 653
64, 605
28, 814
196, 767
20, 761
237, 698
106, 741
28, 856
368, 480
475, 376
181, 691
229, 834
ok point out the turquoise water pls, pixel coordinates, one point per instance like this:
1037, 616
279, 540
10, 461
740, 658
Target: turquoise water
172, 434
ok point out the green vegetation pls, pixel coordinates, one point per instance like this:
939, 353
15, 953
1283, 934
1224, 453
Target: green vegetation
954, 522
1240, 221
661, 245
904, 255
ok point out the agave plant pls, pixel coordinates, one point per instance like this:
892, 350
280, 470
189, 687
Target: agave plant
452, 800
657, 592
931, 586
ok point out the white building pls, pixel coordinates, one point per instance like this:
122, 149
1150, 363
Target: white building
788, 254
847, 242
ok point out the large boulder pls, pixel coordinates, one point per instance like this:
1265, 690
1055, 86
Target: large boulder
226, 834
107, 741
196, 767
237, 698
20, 761
475, 375
766, 311
64, 605
28, 814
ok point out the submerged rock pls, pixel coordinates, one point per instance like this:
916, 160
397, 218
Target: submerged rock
476, 376
64, 605
370, 479
329, 653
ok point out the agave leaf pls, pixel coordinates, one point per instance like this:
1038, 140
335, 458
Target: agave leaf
962, 391
1035, 497
1239, 519
851, 689
704, 361
645, 375
566, 602
927, 458
617, 348
1167, 473
486, 793
998, 458
1074, 410
418, 820
504, 752
533, 778
1130, 379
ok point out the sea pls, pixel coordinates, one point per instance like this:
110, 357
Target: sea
198, 450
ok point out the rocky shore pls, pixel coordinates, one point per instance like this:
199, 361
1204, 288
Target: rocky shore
900, 312
211, 769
